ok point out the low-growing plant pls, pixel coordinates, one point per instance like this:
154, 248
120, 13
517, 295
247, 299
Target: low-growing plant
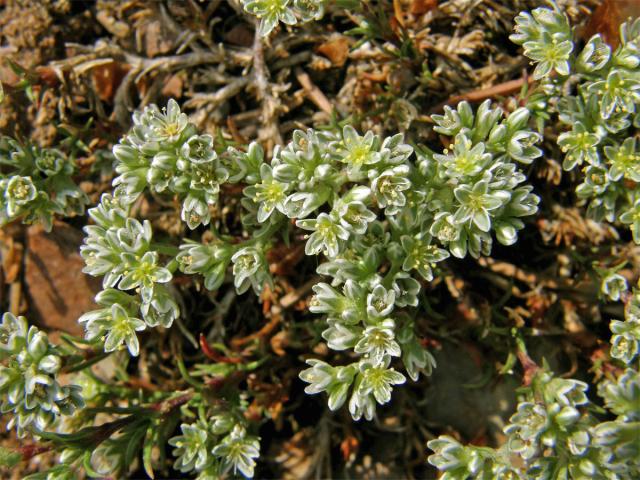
379, 215
594, 91
383, 220
556, 431
382, 216
36, 184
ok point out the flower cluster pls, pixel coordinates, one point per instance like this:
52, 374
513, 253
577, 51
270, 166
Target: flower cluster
475, 186
382, 217
29, 389
164, 153
553, 435
553, 432
386, 228
119, 248
625, 341
546, 36
36, 184
600, 110
213, 447
290, 12
618, 438
458, 461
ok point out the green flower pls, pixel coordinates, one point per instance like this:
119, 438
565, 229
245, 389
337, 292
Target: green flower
353, 212
160, 309
521, 146
50, 161
326, 235
207, 178
388, 187
461, 462
415, 357
551, 53
595, 54
619, 94
632, 217
341, 336
380, 302
529, 422
244, 166
625, 341
421, 255
334, 380
476, 202
143, 273
199, 149
407, 289
466, 159
624, 160
546, 37
195, 211
166, 125
378, 341
357, 151
269, 194
613, 285
302, 204
374, 384
309, 9
211, 261
250, 270
622, 397
270, 12
347, 308
579, 146
191, 448
237, 451
444, 228
19, 191
13, 333
122, 330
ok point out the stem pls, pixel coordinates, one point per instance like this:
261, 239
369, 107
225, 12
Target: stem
388, 278
185, 374
170, 404
271, 130
530, 367
165, 249
93, 357
258, 239
172, 266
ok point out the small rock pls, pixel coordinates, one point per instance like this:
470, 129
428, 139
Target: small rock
57, 289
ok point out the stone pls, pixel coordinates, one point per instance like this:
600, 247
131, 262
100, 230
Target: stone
57, 290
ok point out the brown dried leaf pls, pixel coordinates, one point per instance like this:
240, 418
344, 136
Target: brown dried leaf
404, 10
11, 259
279, 342
335, 49
420, 7
173, 86
607, 18
240, 35
349, 447
107, 78
157, 41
